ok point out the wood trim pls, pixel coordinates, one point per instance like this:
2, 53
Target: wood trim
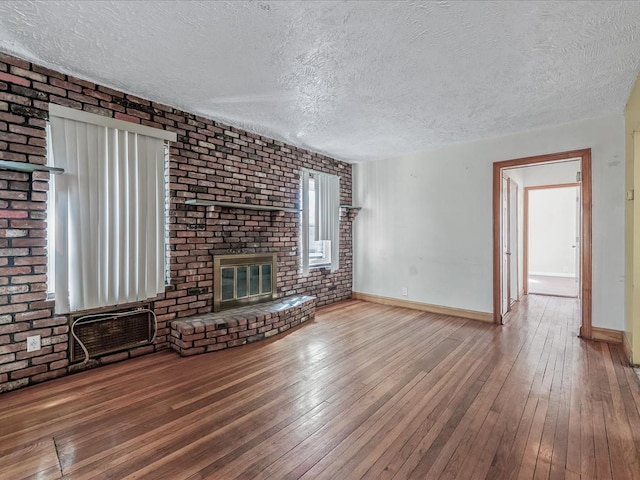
425, 307
626, 347
497, 254
586, 246
606, 335
584, 156
547, 158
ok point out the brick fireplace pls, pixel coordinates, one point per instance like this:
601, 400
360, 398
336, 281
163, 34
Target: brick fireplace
209, 161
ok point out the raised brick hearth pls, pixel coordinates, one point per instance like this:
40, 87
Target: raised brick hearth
231, 328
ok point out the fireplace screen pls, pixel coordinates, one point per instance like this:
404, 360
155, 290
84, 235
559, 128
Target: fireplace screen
243, 280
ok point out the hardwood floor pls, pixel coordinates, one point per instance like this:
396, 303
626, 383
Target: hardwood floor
365, 391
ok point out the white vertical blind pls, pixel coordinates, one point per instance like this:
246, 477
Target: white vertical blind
328, 213
109, 215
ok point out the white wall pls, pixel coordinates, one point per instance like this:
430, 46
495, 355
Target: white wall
552, 231
550, 174
426, 221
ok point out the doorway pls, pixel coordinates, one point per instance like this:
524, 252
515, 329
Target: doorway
552, 239
503, 270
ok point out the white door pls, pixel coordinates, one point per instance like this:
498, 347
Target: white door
505, 273
552, 240
514, 288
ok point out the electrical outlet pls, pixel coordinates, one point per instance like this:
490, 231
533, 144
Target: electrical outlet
33, 343
405, 291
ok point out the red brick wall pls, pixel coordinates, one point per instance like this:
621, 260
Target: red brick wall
209, 161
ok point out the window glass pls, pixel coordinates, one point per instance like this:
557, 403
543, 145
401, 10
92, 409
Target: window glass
254, 279
241, 282
228, 281
266, 278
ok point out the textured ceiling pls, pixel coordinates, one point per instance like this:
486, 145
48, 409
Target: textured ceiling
356, 80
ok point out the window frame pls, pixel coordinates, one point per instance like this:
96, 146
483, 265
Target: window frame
314, 261
329, 227
51, 220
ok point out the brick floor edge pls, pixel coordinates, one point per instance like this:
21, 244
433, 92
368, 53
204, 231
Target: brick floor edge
231, 328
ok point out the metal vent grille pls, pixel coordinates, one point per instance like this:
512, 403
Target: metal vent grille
110, 332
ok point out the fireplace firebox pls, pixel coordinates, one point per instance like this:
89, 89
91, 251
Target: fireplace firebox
243, 279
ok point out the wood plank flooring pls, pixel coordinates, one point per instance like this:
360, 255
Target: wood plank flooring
365, 391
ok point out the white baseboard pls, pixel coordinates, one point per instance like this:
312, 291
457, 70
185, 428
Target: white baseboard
552, 274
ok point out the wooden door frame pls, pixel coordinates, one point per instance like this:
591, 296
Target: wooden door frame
525, 240
584, 156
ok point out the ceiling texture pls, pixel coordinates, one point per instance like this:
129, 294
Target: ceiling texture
356, 80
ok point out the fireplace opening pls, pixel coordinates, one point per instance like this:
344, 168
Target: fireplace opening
243, 279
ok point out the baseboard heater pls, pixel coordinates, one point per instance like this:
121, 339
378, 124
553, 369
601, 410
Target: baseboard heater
104, 332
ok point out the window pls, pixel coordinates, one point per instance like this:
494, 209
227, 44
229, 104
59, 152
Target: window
320, 220
319, 250
107, 227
